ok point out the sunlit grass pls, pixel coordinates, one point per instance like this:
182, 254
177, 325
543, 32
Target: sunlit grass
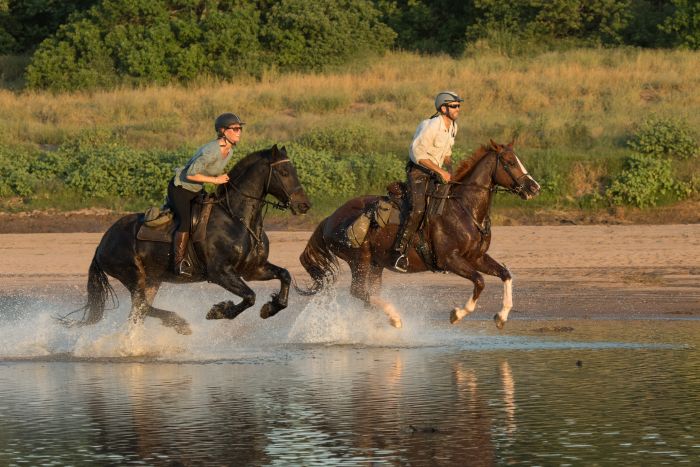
599, 93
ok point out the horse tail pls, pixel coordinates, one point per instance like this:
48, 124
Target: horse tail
99, 290
319, 261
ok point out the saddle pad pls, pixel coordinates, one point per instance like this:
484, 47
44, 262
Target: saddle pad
162, 233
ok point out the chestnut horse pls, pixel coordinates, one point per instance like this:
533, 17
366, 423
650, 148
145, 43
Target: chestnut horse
458, 238
235, 247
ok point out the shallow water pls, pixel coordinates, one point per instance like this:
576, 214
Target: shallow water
326, 383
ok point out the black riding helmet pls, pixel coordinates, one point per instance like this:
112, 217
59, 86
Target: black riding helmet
224, 121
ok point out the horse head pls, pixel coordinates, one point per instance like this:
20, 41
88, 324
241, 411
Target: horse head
511, 174
283, 182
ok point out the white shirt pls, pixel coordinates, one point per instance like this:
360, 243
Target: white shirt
433, 141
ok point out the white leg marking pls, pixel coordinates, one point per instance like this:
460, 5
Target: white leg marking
388, 309
459, 313
507, 300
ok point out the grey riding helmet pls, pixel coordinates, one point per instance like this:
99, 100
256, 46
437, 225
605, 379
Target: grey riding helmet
224, 121
445, 97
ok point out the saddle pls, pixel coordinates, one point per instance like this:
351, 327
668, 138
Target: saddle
387, 211
158, 225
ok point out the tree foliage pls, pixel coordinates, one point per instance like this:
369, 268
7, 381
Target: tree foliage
158, 41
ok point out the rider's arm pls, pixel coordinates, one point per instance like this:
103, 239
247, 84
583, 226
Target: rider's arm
201, 178
427, 163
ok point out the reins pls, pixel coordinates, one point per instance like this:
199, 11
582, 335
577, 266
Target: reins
225, 201
516, 188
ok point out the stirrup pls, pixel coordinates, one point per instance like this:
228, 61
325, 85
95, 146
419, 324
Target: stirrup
403, 266
184, 268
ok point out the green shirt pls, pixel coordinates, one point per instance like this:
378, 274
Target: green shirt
206, 161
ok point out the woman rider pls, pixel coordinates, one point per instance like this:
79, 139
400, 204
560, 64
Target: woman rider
206, 166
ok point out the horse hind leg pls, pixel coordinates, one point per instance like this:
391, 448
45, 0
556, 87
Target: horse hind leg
141, 306
366, 282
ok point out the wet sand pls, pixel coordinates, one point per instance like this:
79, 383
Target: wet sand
637, 271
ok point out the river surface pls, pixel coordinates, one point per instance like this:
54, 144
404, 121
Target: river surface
325, 383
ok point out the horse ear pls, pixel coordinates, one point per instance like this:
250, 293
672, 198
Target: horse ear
494, 144
512, 143
274, 149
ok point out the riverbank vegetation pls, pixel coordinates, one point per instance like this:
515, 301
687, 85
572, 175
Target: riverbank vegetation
604, 107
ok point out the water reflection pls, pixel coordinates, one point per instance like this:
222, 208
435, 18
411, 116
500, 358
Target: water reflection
349, 405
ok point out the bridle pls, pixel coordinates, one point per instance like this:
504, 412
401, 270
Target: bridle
272, 172
515, 187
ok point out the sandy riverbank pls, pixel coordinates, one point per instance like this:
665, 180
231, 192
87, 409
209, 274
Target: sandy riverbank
560, 272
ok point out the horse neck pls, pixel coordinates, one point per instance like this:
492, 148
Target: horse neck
476, 190
245, 200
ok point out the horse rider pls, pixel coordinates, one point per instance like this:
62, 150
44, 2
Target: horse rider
430, 157
206, 166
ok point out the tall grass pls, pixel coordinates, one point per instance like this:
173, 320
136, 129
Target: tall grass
571, 112
577, 98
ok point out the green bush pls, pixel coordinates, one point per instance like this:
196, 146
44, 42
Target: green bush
17, 179
312, 35
661, 136
645, 179
155, 41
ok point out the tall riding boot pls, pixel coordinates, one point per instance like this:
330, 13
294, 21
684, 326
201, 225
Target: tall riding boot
403, 237
180, 264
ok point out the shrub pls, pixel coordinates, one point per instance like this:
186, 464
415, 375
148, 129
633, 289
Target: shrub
304, 35
660, 136
139, 41
644, 180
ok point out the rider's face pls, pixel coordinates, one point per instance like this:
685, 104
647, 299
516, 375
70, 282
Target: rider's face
233, 133
452, 110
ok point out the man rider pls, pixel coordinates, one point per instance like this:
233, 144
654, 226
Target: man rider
430, 156
206, 166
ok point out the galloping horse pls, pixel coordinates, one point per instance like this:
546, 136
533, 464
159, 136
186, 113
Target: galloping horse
458, 238
235, 248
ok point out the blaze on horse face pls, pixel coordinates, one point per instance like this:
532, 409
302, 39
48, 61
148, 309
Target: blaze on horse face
511, 174
284, 182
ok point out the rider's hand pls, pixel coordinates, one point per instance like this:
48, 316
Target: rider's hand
445, 176
221, 179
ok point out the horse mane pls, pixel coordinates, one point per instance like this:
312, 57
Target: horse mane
466, 166
242, 166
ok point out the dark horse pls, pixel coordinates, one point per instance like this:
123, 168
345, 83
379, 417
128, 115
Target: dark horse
458, 238
235, 248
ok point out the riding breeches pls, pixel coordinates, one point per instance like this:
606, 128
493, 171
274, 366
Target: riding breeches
181, 202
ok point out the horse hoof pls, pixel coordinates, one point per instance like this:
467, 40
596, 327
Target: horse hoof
216, 313
396, 323
183, 329
269, 310
266, 311
453, 316
499, 322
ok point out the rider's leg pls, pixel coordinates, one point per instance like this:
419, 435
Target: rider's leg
181, 200
418, 185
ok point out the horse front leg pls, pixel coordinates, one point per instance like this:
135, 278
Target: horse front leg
490, 266
269, 271
234, 284
461, 267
